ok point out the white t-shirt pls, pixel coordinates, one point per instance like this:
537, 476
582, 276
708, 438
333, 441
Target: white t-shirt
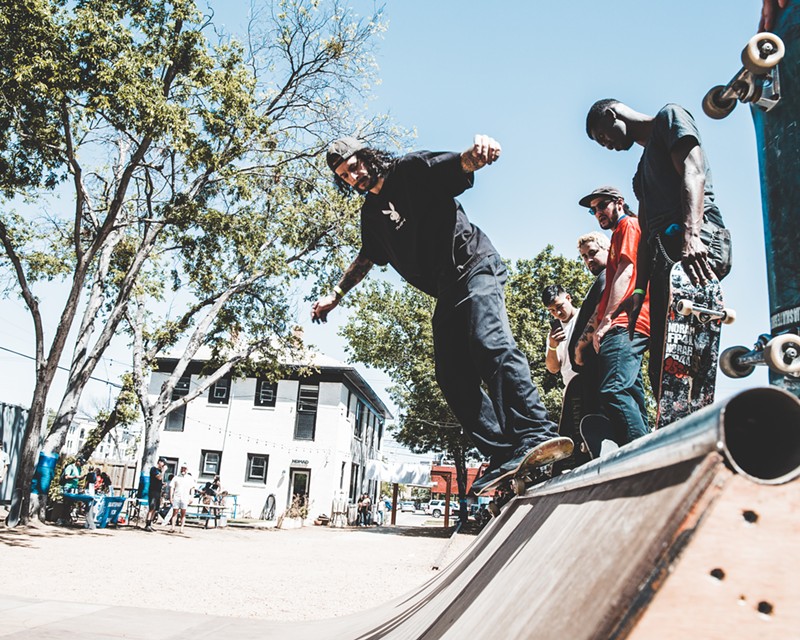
4, 461
567, 373
182, 487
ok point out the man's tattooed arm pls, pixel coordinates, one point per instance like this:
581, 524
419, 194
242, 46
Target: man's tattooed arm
352, 276
355, 273
585, 339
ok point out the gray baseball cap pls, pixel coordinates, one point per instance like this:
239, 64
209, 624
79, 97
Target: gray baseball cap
609, 192
341, 150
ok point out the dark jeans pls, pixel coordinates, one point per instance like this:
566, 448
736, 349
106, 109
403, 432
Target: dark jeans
473, 344
621, 383
718, 242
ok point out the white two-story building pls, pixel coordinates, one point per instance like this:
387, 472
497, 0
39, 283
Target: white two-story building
317, 436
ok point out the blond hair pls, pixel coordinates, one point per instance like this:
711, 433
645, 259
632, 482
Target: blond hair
600, 239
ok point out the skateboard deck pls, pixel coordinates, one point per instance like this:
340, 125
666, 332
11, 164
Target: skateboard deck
535, 467
572, 410
768, 81
691, 346
596, 430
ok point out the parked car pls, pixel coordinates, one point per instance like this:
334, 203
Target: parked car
407, 506
435, 508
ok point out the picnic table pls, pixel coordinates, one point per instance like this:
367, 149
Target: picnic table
199, 511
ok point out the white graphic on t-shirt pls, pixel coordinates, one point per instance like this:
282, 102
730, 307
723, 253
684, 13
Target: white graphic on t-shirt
394, 216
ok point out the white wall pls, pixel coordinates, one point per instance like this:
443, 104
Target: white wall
240, 428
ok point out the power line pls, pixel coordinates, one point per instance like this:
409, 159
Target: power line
23, 355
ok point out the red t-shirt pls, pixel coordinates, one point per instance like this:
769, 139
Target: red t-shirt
625, 243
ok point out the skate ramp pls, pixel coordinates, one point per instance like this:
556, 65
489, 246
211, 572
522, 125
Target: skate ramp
690, 532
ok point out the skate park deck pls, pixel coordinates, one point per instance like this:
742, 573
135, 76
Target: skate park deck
689, 532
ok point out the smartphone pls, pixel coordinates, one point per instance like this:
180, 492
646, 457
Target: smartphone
555, 323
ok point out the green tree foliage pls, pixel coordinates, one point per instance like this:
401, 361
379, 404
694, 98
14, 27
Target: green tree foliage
170, 177
390, 329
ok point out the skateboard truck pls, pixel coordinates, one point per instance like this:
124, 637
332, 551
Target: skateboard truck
704, 315
757, 82
780, 353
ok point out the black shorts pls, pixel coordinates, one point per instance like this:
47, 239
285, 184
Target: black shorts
154, 501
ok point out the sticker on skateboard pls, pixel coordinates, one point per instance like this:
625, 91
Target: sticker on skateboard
532, 469
691, 346
599, 435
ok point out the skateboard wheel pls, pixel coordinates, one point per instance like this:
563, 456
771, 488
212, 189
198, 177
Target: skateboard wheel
729, 317
762, 52
782, 354
685, 307
728, 363
518, 486
715, 106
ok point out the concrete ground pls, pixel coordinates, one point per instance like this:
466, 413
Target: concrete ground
49, 574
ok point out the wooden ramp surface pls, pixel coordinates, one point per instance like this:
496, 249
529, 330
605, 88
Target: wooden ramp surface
690, 550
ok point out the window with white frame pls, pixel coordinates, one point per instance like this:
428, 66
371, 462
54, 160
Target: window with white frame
177, 417
210, 462
266, 393
257, 464
306, 422
220, 391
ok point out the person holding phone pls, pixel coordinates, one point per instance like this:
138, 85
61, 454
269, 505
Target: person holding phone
559, 304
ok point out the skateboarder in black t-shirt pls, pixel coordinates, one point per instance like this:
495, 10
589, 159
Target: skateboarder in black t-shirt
411, 220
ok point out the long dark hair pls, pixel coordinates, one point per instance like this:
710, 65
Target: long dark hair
377, 161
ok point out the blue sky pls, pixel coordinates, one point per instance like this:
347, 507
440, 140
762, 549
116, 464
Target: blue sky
526, 72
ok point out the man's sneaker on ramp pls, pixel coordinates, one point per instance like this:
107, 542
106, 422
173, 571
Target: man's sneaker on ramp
523, 464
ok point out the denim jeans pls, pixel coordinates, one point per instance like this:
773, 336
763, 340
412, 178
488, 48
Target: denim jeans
473, 344
621, 383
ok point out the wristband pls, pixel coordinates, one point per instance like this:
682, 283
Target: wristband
552, 348
338, 291
639, 291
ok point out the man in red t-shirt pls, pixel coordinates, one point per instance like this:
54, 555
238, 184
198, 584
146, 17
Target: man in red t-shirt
621, 385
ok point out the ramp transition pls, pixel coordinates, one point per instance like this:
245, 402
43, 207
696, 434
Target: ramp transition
689, 532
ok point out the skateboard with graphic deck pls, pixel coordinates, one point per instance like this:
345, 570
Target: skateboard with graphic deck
595, 430
770, 84
691, 346
536, 467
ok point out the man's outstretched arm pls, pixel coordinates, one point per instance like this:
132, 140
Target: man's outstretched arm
352, 276
484, 150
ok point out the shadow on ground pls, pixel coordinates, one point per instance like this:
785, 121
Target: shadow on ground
468, 528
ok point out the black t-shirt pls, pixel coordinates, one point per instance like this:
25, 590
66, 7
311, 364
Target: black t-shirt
588, 307
416, 224
657, 185
156, 482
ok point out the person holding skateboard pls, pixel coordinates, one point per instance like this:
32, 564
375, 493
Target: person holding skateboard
619, 357
679, 219
411, 219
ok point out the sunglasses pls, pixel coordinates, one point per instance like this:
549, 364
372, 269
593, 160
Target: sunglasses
600, 206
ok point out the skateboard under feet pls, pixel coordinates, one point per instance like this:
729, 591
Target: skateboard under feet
535, 467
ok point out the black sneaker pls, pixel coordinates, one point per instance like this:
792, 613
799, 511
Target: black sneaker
148, 528
487, 478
